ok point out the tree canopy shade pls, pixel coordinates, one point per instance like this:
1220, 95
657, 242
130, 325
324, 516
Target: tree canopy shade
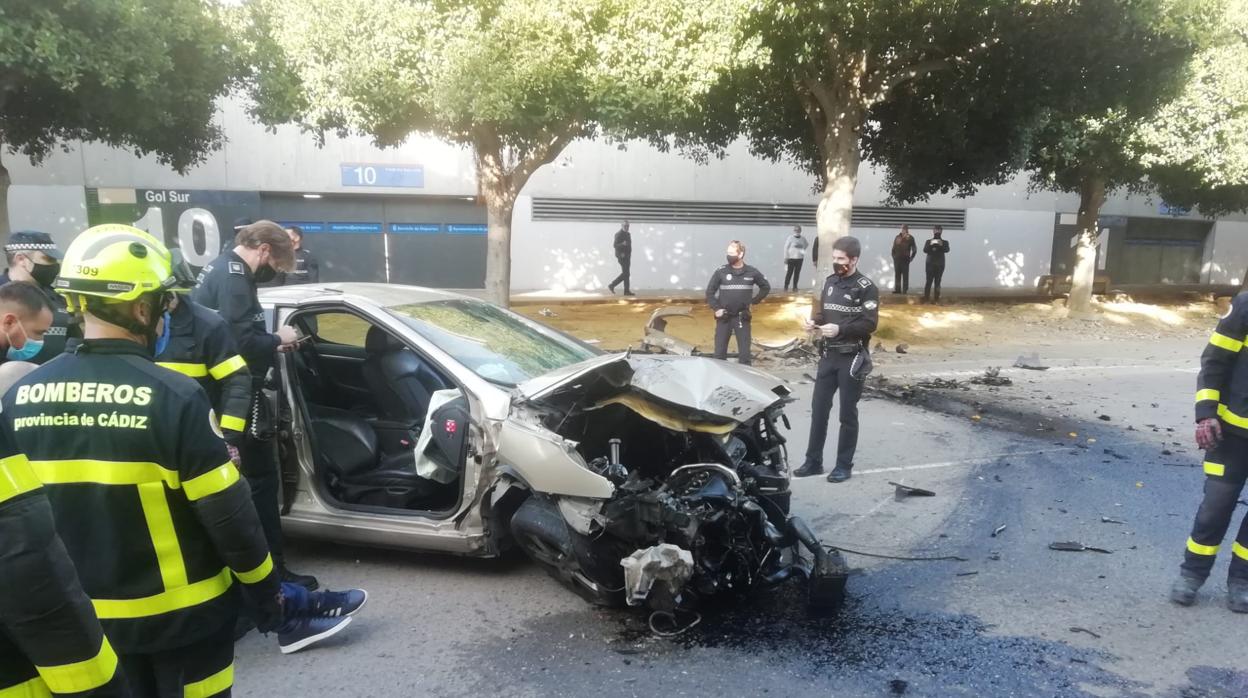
515, 80
947, 95
137, 74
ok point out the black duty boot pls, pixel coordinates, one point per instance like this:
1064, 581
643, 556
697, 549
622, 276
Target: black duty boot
1183, 591
306, 581
1237, 595
840, 474
808, 469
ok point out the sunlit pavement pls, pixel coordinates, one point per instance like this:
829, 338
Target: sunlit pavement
1015, 618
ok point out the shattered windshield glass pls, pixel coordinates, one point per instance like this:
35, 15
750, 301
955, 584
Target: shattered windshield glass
494, 343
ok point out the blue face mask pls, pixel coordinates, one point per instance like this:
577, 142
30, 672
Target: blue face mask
28, 351
162, 342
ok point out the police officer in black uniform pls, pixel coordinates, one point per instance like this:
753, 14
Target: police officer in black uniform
228, 286
1222, 432
51, 642
843, 316
307, 268
34, 258
730, 293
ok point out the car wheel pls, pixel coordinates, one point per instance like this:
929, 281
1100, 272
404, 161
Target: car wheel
540, 531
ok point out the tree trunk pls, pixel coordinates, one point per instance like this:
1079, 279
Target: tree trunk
499, 204
1083, 276
836, 204
5, 181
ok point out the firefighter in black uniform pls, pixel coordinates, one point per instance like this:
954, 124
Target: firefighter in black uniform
199, 344
228, 286
51, 642
844, 315
730, 293
35, 259
1222, 432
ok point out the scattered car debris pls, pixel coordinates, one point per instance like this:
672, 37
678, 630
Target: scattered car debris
904, 491
992, 376
997, 531
1108, 520
1077, 547
903, 348
1077, 629
547, 312
879, 346
656, 337
1031, 363
898, 687
666, 563
793, 349
967, 574
1104, 418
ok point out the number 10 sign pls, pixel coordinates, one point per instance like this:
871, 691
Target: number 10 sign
356, 174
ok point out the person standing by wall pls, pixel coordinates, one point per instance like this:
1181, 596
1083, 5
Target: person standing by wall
794, 254
730, 293
904, 251
623, 245
307, 267
935, 249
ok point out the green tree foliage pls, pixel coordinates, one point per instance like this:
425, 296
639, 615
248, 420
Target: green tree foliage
515, 80
137, 74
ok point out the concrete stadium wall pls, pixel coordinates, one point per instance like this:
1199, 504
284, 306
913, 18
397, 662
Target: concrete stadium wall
1226, 256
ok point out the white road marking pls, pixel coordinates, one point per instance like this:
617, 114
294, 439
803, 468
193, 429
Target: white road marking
1052, 369
967, 461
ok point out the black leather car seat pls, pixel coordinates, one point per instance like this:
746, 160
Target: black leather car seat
356, 471
400, 381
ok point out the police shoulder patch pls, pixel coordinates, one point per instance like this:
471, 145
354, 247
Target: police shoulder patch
864, 282
236, 268
870, 305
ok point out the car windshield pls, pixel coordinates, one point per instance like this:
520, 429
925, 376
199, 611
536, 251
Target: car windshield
496, 344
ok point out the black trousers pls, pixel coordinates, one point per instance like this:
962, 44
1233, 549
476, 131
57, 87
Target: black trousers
901, 276
1226, 468
259, 466
727, 326
934, 274
203, 669
623, 278
833, 375
792, 270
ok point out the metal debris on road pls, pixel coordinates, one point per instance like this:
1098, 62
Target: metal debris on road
904, 491
998, 530
1104, 418
903, 348
1077, 629
547, 312
992, 376
1031, 363
967, 574
1106, 519
898, 687
1077, 547
656, 337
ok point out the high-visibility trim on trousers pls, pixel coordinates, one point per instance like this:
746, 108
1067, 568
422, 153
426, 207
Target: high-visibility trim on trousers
1227, 343
1240, 551
212, 685
258, 574
34, 688
1199, 549
16, 477
82, 676
1215, 469
166, 601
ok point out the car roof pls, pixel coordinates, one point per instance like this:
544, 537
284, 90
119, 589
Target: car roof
383, 295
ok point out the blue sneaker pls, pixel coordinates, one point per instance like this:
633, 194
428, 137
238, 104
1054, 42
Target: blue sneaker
303, 632
336, 604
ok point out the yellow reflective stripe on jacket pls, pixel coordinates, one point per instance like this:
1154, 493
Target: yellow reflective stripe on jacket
1215, 469
192, 370
1240, 551
211, 482
34, 688
166, 601
1224, 342
228, 367
258, 574
82, 676
1201, 549
102, 472
211, 686
164, 537
1208, 394
16, 477
233, 423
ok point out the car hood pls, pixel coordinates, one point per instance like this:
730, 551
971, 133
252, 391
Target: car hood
703, 385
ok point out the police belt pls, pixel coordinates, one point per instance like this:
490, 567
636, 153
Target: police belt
826, 348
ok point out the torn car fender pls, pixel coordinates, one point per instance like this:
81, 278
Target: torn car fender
548, 462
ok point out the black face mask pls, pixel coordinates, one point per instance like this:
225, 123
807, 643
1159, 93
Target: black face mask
265, 274
732, 258
45, 274
840, 269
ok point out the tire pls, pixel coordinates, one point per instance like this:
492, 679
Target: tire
540, 531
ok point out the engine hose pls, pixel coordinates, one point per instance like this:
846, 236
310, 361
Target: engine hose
951, 558
671, 618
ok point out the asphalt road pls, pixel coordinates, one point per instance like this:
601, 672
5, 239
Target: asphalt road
1015, 618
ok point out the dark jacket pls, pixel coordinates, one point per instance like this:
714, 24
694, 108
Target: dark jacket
202, 347
623, 244
732, 290
153, 513
228, 287
64, 326
904, 249
1222, 385
850, 302
46, 620
936, 251
307, 271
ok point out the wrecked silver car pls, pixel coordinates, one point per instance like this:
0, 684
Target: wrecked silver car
425, 420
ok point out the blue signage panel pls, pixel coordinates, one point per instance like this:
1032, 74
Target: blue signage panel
416, 228
362, 174
305, 226
1166, 209
354, 227
465, 229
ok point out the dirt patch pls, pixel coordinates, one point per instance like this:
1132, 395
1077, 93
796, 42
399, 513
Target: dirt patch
619, 324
